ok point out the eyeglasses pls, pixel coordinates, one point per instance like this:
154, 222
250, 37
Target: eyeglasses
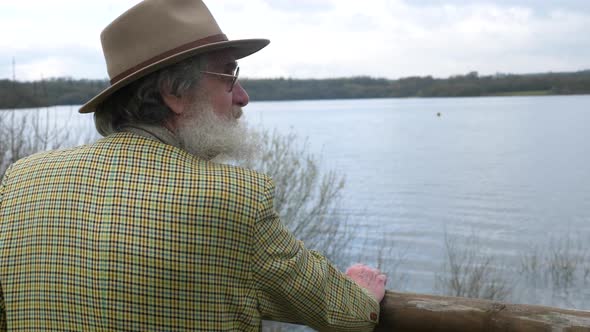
233, 78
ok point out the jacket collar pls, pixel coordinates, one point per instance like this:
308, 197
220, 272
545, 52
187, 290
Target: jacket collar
155, 132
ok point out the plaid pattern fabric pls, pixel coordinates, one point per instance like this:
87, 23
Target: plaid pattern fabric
129, 234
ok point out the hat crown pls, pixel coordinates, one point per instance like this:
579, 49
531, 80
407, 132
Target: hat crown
159, 33
151, 29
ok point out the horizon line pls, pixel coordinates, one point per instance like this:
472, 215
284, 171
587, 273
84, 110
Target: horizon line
497, 74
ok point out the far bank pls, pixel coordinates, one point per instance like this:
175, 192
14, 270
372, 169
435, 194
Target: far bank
67, 91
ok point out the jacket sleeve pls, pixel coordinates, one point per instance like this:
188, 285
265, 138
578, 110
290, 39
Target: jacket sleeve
2, 312
300, 286
2, 304
3, 181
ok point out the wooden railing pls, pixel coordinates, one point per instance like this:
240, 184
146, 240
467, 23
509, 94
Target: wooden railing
404, 312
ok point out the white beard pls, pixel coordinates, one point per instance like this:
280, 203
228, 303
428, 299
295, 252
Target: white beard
206, 135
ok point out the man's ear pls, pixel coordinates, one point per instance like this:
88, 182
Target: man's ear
176, 103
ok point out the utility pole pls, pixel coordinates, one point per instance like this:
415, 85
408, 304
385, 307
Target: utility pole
13, 69
13, 75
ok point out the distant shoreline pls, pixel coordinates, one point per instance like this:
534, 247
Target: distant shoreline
524, 94
67, 91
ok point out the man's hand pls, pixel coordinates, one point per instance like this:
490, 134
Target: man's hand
370, 279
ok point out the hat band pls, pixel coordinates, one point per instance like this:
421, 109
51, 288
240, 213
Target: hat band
200, 42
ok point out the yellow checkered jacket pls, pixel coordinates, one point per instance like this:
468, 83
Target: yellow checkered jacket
130, 234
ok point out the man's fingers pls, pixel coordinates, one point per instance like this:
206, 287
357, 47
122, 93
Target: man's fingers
355, 269
369, 278
366, 275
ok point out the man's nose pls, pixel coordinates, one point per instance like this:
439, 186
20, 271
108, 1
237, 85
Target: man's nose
239, 95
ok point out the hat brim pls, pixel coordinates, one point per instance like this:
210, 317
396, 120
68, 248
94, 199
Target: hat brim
240, 48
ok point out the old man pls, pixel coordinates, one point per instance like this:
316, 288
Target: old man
141, 231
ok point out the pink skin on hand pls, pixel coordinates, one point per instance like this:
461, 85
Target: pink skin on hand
368, 278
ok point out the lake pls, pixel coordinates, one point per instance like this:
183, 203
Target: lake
511, 172
509, 176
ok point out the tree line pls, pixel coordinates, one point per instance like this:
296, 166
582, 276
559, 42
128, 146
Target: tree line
68, 91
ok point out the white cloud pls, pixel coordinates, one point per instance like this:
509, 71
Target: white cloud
328, 38
395, 39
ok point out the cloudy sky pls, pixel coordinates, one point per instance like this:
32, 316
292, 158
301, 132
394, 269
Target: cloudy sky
323, 38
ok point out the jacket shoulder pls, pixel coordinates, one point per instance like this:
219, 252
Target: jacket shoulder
41, 159
128, 153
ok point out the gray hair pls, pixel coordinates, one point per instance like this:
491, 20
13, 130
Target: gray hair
141, 101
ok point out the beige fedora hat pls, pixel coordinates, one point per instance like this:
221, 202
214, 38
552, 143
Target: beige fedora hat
157, 33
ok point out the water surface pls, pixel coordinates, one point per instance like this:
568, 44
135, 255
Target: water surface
512, 172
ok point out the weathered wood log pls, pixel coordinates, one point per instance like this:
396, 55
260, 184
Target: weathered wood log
405, 312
